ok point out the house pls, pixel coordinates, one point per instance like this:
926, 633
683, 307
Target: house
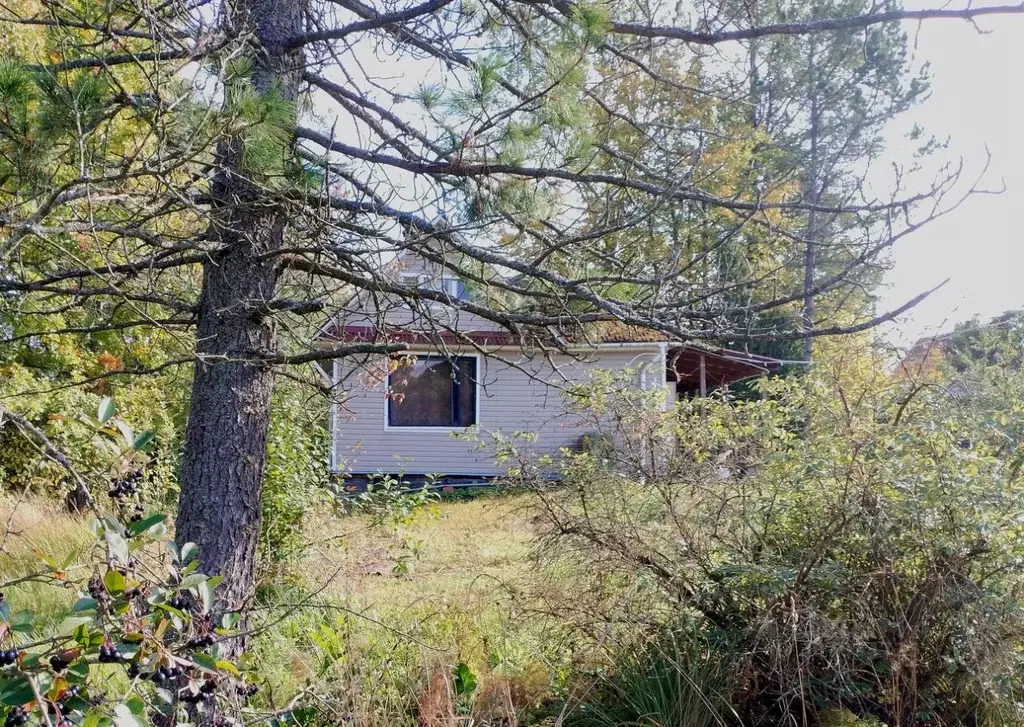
416, 414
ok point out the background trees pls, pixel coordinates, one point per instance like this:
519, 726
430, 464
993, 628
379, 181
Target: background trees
216, 178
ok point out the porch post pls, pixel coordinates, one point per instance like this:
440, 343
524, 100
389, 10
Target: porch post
703, 377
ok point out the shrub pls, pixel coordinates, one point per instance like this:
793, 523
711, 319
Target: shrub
296, 479
139, 645
854, 537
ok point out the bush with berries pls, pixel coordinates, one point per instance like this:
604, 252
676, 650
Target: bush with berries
141, 646
143, 643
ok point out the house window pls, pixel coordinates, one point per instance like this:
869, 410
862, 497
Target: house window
453, 286
433, 392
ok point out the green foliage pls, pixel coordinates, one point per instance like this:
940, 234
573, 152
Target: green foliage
264, 122
464, 680
999, 343
140, 643
872, 560
296, 478
137, 645
102, 445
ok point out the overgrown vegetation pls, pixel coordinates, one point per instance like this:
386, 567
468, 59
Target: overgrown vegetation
850, 541
846, 547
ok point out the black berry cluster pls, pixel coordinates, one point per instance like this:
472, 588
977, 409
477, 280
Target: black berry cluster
60, 662
190, 697
246, 690
136, 512
109, 654
70, 693
8, 657
125, 486
16, 717
180, 602
98, 592
164, 674
199, 642
96, 589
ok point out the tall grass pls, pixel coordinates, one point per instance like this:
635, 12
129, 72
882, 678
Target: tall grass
372, 623
30, 530
675, 681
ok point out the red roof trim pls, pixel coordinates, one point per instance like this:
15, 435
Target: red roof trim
481, 338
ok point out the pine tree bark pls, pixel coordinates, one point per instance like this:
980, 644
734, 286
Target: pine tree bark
229, 413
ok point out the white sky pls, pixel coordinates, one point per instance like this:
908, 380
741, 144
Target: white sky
977, 100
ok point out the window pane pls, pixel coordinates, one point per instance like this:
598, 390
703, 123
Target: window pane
421, 395
455, 288
433, 393
466, 394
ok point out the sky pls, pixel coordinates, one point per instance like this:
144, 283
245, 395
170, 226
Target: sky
978, 101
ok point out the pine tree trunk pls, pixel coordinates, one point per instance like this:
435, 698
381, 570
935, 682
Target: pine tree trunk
229, 413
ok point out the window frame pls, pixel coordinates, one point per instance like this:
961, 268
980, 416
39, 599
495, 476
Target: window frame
438, 283
388, 427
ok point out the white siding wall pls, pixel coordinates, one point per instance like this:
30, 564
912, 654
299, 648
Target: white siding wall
510, 399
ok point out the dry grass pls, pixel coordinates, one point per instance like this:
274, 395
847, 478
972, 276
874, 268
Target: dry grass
448, 550
406, 605
29, 529
375, 617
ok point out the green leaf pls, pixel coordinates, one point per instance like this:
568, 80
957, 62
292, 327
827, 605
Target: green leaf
188, 552
144, 440
127, 651
115, 582
117, 547
92, 719
229, 620
84, 604
146, 523
17, 690
137, 706
172, 548
69, 559
205, 661
78, 672
206, 594
24, 622
465, 679
126, 432
229, 668
124, 717
70, 625
106, 410
215, 581
81, 634
192, 580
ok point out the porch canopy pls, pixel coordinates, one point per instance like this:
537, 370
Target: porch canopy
696, 369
